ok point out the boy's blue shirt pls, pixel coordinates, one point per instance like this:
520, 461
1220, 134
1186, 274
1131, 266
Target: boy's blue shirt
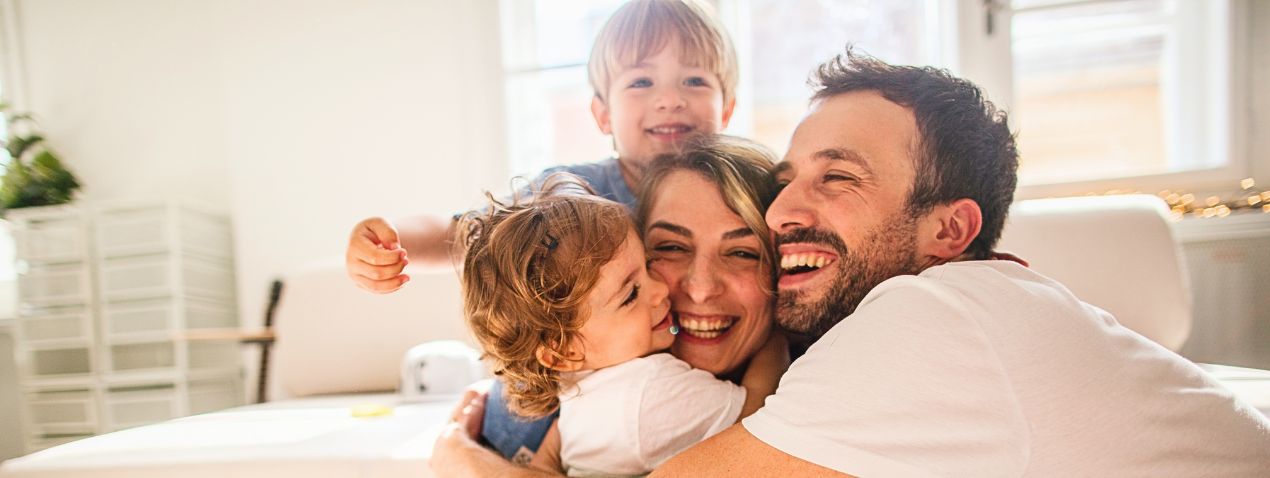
605, 177
516, 438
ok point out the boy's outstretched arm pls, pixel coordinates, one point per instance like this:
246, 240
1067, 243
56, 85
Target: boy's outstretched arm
764, 372
378, 250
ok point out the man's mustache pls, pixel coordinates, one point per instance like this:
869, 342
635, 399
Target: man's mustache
811, 235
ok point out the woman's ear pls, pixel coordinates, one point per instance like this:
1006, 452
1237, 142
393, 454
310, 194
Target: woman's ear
600, 111
947, 230
570, 362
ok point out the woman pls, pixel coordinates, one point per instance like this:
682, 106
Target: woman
701, 214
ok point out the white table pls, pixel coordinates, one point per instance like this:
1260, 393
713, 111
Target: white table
312, 437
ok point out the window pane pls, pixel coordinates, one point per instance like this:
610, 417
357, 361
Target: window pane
549, 120
1089, 83
788, 39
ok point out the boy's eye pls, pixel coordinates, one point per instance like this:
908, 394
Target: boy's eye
696, 81
632, 296
641, 83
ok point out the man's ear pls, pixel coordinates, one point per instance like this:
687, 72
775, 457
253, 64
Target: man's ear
947, 230
728, 109
571, 362
600, 111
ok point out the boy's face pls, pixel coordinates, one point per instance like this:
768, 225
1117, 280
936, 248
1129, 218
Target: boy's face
653, 106
629, 311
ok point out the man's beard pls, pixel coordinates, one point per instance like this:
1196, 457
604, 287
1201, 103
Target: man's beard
888, 251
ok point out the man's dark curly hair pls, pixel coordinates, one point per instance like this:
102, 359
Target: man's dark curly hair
965, 149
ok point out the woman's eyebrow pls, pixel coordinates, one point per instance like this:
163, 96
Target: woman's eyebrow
673, 228
738, 233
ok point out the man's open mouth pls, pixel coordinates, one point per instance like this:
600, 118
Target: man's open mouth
803, 262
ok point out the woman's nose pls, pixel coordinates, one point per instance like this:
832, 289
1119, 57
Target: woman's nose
701, 283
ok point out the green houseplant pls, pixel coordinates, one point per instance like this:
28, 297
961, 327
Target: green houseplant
34, 175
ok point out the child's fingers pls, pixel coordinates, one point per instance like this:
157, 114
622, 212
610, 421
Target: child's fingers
381, 286
381, 233
367, 251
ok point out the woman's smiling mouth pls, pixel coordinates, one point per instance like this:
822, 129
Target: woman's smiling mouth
704, 327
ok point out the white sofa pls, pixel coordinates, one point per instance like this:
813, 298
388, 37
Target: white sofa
1115, 252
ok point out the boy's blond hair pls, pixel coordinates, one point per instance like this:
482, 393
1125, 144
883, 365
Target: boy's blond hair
527, 271
641, 29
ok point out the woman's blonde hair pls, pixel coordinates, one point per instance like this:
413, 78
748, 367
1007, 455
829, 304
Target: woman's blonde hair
642, 28
740, 168
527, 270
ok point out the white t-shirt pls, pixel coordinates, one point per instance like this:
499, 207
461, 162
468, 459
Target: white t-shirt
629, 418
989, 369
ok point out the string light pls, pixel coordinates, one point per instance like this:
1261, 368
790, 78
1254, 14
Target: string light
1182, 203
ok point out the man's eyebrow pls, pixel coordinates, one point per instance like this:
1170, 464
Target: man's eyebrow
738, 233
840, 154
673, 228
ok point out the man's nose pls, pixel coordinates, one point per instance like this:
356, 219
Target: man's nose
790, 210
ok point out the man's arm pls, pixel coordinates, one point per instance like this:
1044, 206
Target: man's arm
735, 452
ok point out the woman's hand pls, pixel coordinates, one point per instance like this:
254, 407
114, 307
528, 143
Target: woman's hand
764, 372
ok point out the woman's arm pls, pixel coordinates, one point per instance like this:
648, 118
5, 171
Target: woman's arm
764, 373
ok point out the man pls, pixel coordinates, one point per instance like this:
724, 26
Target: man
930, 360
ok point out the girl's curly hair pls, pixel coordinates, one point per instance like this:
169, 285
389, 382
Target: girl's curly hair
528, 268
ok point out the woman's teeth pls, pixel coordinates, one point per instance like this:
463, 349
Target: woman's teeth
706, 328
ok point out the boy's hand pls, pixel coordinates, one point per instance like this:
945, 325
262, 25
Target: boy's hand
375, 259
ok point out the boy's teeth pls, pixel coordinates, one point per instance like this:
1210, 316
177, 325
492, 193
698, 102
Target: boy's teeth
669, 129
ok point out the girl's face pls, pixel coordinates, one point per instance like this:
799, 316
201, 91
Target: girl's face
720, 291
628, 312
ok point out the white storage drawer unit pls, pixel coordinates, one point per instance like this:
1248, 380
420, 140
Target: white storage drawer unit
64, 360
55, 234
165, 275
161, 317
62, 411
130, 230
106, 295
61, 284
134, 403
42, 326
169, 356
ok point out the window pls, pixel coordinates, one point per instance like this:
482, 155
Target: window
1119, 88
1104, 94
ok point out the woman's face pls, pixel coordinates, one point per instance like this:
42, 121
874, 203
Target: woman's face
710, 260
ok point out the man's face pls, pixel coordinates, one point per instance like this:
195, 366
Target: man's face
840, 222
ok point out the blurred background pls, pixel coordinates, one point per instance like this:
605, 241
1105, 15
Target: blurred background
294, 119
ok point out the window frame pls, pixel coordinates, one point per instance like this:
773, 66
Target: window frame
979, 59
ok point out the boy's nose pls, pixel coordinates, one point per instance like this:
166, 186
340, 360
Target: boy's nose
670, 100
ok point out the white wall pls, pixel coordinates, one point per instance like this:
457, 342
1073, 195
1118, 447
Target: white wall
298, 117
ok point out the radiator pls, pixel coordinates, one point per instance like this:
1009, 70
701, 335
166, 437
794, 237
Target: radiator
1228, 263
